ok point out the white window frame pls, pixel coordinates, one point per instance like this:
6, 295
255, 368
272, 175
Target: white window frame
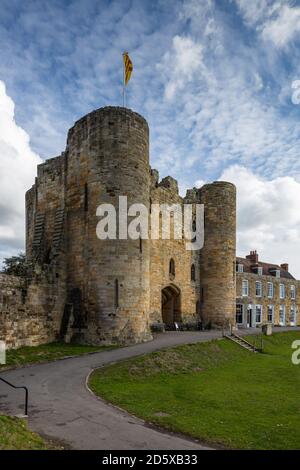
245, 281
270, 284
258, 283
294, 310
293, 292
281, 291
270, 307
239, 268
282, 309
260, 270
242, 313
261, 314
277, 273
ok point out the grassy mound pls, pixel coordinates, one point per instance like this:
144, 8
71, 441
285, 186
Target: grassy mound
46, 353
15, 435
214, 391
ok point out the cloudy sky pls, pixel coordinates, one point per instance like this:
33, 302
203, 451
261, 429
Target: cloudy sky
213, 79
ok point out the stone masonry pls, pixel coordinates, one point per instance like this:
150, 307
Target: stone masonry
30, 312
85, 289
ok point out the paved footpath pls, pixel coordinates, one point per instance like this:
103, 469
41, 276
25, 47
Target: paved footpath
61, 407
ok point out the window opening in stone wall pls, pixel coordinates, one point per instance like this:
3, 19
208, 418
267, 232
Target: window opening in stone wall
172, 267
116, 293
86, 197
193, 273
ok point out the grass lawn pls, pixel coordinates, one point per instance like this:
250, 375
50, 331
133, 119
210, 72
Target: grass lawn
46, 352
15, 435
214, 391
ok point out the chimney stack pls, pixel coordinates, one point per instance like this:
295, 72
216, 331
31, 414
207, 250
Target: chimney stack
284, 266
253, 257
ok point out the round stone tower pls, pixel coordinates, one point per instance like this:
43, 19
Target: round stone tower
218, 255
107, 156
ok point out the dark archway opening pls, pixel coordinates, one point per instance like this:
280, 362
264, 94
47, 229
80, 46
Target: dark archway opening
171, 305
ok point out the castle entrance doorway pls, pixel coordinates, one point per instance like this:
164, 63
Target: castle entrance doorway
171, 305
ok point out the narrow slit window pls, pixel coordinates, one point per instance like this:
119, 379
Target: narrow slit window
86, 197
193, 273
116, 293
172, 267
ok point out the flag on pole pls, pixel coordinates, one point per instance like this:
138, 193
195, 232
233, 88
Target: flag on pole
128, 67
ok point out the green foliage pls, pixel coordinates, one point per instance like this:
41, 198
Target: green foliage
215, 391
16, 265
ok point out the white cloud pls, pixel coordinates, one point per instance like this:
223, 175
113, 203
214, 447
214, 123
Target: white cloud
276, 21
181, 64
256, 10
225, 110
284, 27
17, 171
268, 216
199, 183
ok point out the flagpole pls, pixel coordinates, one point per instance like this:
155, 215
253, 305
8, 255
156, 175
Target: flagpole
123, 81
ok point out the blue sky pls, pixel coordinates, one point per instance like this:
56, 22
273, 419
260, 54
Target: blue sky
213, 79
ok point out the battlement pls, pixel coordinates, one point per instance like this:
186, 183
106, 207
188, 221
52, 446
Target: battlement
51, 167
106, 116
169, 183
192, 196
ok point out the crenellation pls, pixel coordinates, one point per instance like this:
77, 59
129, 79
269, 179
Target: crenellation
192, 196
154, 178
169, 183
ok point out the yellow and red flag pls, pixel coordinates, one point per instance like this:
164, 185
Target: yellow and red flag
128, 67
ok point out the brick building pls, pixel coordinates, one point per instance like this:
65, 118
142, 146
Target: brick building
265, 293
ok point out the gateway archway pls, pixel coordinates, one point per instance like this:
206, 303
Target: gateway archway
171, 304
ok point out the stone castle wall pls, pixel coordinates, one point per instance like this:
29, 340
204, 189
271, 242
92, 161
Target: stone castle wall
107, 282
108, 157
46, 197
162, 251
30, 314
218, 256
107, 291
103, 291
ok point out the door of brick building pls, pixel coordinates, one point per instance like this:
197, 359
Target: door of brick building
249, 316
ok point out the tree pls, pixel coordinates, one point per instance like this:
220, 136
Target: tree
15, 265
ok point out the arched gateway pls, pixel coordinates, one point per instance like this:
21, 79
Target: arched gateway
171, 304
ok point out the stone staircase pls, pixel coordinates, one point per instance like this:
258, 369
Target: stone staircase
58, 231
242, 342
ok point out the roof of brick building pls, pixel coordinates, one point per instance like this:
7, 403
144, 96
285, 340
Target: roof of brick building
249, 267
